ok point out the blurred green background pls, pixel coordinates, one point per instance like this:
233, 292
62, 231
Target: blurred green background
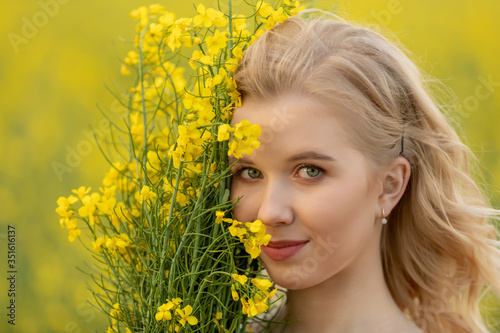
57, 55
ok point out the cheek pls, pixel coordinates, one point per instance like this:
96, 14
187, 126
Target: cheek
244, 209
337, 210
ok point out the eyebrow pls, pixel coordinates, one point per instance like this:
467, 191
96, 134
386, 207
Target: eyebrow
243, 160
311, 155
308, 155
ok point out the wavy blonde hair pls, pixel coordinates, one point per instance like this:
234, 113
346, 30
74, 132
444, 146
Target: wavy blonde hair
439, 251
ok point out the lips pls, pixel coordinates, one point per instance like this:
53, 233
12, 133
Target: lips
283, 250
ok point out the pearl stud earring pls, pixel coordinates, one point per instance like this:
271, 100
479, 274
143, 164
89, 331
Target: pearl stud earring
383, 220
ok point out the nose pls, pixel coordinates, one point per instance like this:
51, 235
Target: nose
276, 206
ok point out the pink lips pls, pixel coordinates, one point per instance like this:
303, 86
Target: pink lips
283, 250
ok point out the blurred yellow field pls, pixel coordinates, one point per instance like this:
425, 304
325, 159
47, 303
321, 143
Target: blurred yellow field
57, 58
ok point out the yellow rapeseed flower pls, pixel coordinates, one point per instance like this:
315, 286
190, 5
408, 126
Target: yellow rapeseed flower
234, 294
115, 313
89, 207
147, 195
239, 23
242, 279
74, 232
296, 7
254, 226
189, 144
81, 192
233, 92
277, 16
246, 137
185, 315
240, 147
173, 39
97, 244
156, 28
205, 116
216, 42
219, 216
223, 132
65, 209
139, 13
176, 301
124, 70
209, 17
183, 23
108, 201
181, 198
252, 247
156, 8
262, 284
65, 203
122, 241
236, 231
200, 57
237, 53
264, 9
167, 19
164, 312
252, 308
132, 58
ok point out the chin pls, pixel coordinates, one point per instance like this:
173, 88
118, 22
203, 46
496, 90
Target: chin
292, 278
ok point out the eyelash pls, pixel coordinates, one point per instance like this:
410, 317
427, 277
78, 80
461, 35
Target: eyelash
237, 170
302, 166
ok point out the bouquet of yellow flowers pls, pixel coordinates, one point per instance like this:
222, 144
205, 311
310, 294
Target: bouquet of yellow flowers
168, 255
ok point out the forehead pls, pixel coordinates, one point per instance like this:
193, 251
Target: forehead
295, 123
283, 107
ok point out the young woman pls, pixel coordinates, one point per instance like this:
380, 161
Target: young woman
376, 223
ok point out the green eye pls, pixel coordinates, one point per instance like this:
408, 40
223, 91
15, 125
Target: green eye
309, 172
250, 173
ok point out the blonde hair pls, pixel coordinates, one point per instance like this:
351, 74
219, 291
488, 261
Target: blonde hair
438, 250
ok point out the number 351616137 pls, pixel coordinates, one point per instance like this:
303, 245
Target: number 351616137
11, 255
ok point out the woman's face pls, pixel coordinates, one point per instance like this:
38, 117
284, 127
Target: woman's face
312, 189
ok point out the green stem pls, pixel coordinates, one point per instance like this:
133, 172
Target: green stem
143, 104
166, 238
230, 27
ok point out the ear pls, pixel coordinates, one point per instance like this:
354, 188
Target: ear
394, 181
